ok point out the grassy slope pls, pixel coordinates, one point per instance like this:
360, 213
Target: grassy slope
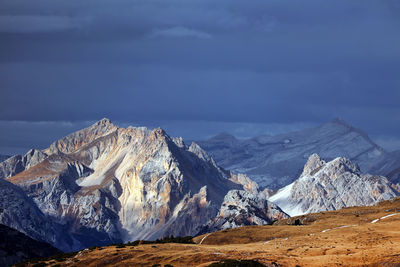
364, 244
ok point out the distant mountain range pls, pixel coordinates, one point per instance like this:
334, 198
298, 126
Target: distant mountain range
276, 161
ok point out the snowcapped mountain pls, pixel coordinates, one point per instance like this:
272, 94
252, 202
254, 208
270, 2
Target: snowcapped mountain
106, 184
276, 161
330, 186
18, 211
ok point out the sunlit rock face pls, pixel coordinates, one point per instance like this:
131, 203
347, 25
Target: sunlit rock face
107, 184
330, 186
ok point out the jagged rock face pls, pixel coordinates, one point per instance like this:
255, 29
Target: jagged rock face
276, 161
20, 163
107, 184
243, 208
16, 247
20, 212
248, 184
78, 139
331, 186
91, 217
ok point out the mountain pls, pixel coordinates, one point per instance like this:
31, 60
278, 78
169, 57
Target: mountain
18, 211
19, 163
106, 184
243, 208
331, 186
276, 161
16, 247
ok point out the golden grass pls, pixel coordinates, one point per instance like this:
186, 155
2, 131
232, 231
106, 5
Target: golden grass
364, 244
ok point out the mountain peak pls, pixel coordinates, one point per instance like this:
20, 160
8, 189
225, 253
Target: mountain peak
76, 140
344, 165
338, 165
314, 163
104, 121
336, 184
159, 131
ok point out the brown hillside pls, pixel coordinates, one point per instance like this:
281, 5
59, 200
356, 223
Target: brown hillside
348, 237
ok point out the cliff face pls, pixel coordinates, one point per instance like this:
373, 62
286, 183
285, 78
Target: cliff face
331, 186
243, 208
19, 163
107, 184
18, 211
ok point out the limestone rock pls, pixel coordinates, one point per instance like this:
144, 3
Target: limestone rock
107, 184
20, 163
330, 186
243, 208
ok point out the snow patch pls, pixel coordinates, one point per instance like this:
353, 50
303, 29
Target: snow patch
384, 217
93, 179
282, 199
344, 226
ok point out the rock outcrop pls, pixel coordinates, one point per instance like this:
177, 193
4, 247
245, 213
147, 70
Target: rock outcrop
243, 208
19, 163
330, 186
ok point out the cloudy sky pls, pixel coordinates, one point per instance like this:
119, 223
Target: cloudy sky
197, 67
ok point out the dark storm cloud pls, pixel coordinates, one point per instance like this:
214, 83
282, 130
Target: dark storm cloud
260, 62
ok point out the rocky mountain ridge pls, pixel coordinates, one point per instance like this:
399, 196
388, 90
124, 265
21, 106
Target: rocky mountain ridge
331, 186
19, 163
106, 184
18, 211
276, 161
243, 208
